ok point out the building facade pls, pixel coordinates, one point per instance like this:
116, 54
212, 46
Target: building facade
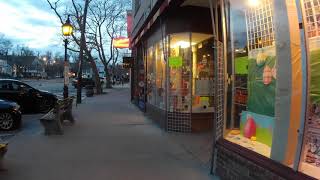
247, 69
5, 68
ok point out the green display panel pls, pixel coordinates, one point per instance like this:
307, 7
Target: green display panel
261, 86
175, 61
241, 65
315, 76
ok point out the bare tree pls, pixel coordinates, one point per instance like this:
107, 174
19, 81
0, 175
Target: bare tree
21, 50
106, 17
79, 14
5, 45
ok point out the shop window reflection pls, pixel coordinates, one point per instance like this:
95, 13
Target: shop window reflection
310, 157
156, 75
254, 76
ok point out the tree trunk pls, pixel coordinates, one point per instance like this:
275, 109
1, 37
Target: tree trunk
82, 46
108, 78
96, 75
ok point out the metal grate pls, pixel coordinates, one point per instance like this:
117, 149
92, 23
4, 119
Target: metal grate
179, 95
260, 25
312, 12
219, 91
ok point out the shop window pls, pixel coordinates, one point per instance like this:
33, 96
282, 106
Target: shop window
202, 73
156, 74
160, 75
310, 160
179, 96
255, 75
191, 73
151, 76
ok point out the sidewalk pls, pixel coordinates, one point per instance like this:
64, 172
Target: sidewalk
111, 140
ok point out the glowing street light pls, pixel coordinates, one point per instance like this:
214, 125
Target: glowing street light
66, 31
67, 28
254, 3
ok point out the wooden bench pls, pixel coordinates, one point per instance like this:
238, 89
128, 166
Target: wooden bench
53, 120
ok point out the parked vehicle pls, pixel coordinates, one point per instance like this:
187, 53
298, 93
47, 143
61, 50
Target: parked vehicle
85, 82
10, 115
31, 100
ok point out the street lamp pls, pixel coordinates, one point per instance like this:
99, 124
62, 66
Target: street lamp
66, 31
253, 3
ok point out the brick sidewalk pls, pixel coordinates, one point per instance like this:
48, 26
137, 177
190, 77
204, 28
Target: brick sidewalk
110, 140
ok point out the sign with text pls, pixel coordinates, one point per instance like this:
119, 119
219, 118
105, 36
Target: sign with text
121, 42
175, 61
127, 62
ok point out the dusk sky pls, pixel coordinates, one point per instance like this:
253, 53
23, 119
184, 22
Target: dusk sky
30, 22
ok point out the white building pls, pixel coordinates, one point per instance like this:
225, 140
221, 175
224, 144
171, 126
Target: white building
5, 68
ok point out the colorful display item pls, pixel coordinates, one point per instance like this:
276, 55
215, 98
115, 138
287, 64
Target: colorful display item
255, 133
258, 126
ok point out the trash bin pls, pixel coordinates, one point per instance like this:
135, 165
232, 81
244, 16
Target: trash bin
89, 90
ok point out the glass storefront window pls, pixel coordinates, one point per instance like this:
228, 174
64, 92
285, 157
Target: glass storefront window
151, 76
156, 75
161, 75
310, 160
255, 75
202, 73
191, 73
179, 96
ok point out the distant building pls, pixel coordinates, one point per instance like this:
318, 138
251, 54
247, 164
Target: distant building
5, 68
26, 66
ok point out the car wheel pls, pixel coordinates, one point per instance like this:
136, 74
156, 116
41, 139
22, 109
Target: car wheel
7, 122
45, 106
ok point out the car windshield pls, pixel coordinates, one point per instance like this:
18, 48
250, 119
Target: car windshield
20, 86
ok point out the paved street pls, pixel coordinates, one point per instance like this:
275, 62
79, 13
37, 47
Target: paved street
110, 140
52, 85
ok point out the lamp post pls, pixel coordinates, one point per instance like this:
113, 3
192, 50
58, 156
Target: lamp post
66, 31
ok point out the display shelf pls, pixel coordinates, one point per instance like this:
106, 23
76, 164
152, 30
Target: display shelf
309, 169
239, 104
255, 146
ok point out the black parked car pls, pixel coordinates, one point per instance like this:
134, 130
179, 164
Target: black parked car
85, 82
31, 100
10, 115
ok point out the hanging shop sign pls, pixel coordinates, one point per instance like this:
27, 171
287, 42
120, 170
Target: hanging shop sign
121, 42
175, 61
127, 62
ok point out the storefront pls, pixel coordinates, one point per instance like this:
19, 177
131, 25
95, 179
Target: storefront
269, 124
248, 68
178, 70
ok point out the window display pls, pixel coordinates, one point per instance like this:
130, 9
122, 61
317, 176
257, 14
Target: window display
180, 73
161, 75
151, 76
202, 73
255, 75
201, 67
156, 75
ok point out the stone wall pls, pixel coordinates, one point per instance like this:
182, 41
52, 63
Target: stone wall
230, 165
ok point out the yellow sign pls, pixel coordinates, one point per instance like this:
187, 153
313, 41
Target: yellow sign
121, 42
